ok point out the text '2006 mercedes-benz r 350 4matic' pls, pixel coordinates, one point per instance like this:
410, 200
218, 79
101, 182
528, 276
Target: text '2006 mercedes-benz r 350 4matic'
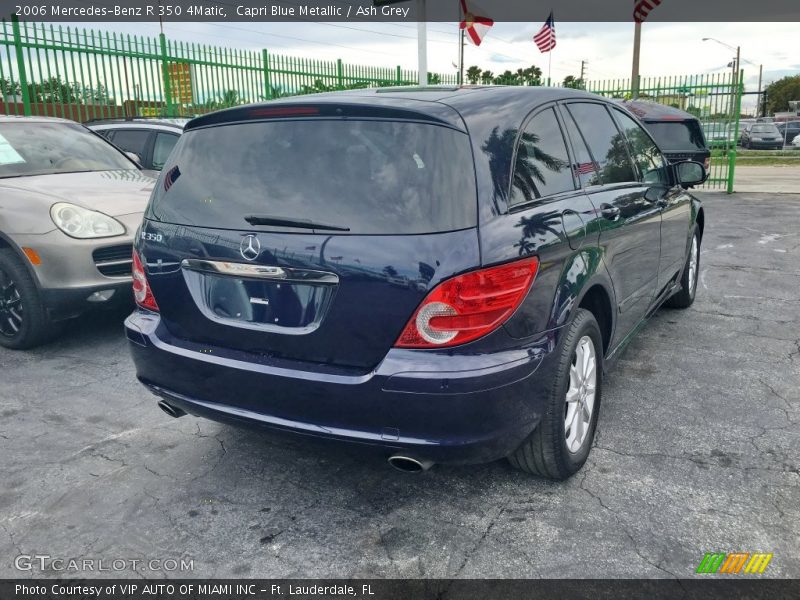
443, 273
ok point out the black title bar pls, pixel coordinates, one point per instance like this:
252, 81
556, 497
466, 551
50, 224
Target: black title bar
534, 11
733, 588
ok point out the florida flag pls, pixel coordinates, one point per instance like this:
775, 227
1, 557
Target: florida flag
476, 27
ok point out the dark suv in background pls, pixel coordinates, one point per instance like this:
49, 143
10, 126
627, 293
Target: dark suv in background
679, 134
443, 273
150, 139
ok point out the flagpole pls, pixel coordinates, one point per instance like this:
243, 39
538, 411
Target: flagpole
460, 57
422, 45
549, 64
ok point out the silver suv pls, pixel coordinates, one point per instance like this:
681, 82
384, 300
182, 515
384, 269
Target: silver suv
70, 203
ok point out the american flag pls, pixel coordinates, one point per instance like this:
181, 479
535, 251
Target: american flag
546, 38
171, 176
585, 168
642, 8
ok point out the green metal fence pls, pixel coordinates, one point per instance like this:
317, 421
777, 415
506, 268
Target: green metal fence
83, 74
715, 99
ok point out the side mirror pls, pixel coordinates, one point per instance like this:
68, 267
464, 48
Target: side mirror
690, 173
134, 157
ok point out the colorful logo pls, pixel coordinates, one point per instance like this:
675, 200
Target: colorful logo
734, 563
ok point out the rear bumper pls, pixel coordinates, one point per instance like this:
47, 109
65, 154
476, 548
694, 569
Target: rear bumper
439, 407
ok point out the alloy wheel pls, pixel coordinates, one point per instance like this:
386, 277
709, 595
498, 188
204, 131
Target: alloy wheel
10, 306
580, 394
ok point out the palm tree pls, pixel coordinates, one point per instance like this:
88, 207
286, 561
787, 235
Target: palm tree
532, 75
527, 170
541, 225
487, 77
474, 74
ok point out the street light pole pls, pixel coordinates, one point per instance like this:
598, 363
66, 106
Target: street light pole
758, 98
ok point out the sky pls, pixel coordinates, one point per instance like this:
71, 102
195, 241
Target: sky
667, 48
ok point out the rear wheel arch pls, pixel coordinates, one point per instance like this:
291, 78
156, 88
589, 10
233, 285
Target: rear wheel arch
700, 220
597, 300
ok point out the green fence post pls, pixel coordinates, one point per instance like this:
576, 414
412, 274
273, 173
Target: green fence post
399, 75
339, 74
737, 110
267, 75
165, 73
23, 78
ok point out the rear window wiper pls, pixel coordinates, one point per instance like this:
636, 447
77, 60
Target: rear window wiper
289, 222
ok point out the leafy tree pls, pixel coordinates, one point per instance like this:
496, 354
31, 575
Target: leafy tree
54, 90
781, 92
474, 74
487, 77
8, 88
570, 81
507, 78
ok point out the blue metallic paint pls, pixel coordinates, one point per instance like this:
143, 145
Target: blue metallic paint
471, 403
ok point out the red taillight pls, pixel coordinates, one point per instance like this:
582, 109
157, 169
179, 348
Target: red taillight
141, 289
469, 306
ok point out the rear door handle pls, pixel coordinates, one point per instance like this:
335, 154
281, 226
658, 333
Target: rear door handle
609, 211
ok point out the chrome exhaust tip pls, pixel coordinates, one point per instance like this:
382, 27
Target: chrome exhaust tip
409, 464
172, 411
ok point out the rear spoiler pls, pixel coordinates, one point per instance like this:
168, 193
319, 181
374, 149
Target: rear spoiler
311, 110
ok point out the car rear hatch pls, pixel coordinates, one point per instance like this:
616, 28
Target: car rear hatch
309, 232
679, 139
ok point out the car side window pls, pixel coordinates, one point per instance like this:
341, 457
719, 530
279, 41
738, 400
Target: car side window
164, 144
608, 146
542, 166
586, 170
132, 140
644, 152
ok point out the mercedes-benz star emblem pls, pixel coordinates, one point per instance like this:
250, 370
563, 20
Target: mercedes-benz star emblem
250, 247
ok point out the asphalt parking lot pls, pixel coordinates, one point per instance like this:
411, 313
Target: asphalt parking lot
697, 451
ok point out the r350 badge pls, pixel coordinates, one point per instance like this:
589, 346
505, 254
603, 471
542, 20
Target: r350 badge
152, 237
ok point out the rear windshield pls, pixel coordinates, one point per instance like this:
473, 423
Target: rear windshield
46, 148
677, 135
373, 177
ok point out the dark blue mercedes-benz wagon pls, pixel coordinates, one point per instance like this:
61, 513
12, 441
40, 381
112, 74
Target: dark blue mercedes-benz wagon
443, 273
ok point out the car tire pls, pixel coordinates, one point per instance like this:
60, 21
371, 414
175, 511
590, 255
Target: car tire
555, 450
691, 272
24, 322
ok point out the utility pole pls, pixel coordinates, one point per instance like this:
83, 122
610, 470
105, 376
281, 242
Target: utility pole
583, 69
758, 101
637, 42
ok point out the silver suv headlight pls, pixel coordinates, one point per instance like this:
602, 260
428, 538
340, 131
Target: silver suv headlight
81, 223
